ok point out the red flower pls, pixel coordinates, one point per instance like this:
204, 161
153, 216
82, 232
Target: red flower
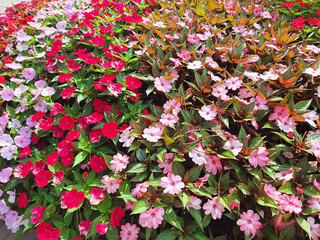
65, 94
92, 60
37, 167
42, 179
288, 4
57, 132
72, 135
110, 130
52, 159
81, 54
66, 122
65, 77
118, 65
56, 46
97, 40
62, 57
73, 65
107, 79
116, 216
45, 232
37, 116
95, 135
25, 152
22, 200
133, 83
38, 211
82, 122
94, 118
56, 109
2, 79
22, 169
98, 164
298, 23
72, 199
67, 160
46, 124
64, 147
99, 105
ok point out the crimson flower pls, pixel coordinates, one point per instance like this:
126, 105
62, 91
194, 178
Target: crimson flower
67, 160
22, 200
133, 83
22, 169
98, 164
73, 135
65, 94
65, 77
64, 147
43, 178
46, 124
66, 122
116, 216
110, 129
73, 65
38, 211
56, 46
72, 199
56, 109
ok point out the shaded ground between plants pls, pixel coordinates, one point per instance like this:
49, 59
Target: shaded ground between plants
5, 234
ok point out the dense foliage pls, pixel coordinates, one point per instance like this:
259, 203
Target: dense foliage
176, 120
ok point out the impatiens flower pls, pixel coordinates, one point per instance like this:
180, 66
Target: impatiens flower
213, 164
64, 148
46, 231
168, 157
72, 199
214, 208
172, 106
195, 65
101, 228
314, 228
116, 216
315, 144
249, 222
172, 184
22, 169
286, 124
162, 84
22, 200
110, 129
7, 94
286, 175
208, 112
38, 211
66, 122
167, 119
129, 232
111, 185
194, 203
272, 192
98, 164
126, 138
259, 157
233, 83
152, 134
235, 146
290, 203
65, 94
151, 218
96, 196
314, 202
57, 177
5, 174
119, 162
140, 187
84, 227
43, 178
198, 155
133, 82
29, 73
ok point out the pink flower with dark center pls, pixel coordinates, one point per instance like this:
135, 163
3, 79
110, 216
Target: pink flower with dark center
213, 164
314, 228
151, 218
214, 208
129, 232
172, 184
259, 157
119, 162
140, 187
290, 203
249, 222
208, 112
233, 145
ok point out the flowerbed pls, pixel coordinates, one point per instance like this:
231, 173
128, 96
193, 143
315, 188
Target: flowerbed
175, 120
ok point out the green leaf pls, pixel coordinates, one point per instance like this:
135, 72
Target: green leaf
136, 168
194, 173
198, 191
184, 197
288, 233
167, 140
141, 206
171, 217
178, 169
303, 105
265, 200
304, 225
155, 182
196, 214
287, 188
80, 157
168, 234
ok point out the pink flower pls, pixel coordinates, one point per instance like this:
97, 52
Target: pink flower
213, 164
111, 185
249, 222
130, 205
84, 227
259, 157
7, 94
169, 119
198, 155
119, 162
315, 144
140, 187
172, 184
38, 211
233, 145
152, 134
151, 218
96, 196
214, 208
29, 73
208, 112
194, 65
314, 202
184, 55
129, 232
211, 63
286, 175
271, 191
290, 203
314, 228
57, 177
172, 106
168, 157
286, 124
101, 228
5, 174
233, 83
194, 203
162, 84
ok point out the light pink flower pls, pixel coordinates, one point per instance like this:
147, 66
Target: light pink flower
211, 63
119, 162
259, 157
198, 155
152, 134
279, 113
126, 138
260, 103
214, 208
172, 106
162, 84
140, 187
213, 164
168, 119
172, 184
315, 144
129, 232
29, 73
316, 184
286, 175
194, 203
208, 112
314, 228
220, 92
233, 83
314, 202
112, 186
233, 145
249, 222
290, 203
286, 124
194, 65
151, 218
168, 157
184, 55
271, 191
7, 94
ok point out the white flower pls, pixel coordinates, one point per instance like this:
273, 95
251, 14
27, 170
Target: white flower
194, 65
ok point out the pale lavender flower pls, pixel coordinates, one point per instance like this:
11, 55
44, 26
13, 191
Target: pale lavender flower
29, 73
13, 66
41, 106
12, 196
5, 140
25, 131
61, 26
17, 80
23, 106
7, 94
22, 141
3, 207
8, 151
48, 91
19, 90
5, 175
22, 36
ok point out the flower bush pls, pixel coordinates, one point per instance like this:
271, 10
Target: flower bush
182, 120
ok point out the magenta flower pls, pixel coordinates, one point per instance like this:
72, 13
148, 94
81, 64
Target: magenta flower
129, 232
259, 157
96, 196
84, 227
249, 222
119, 162
151, 218
29, 73
172, 184
214, 208
102, 228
